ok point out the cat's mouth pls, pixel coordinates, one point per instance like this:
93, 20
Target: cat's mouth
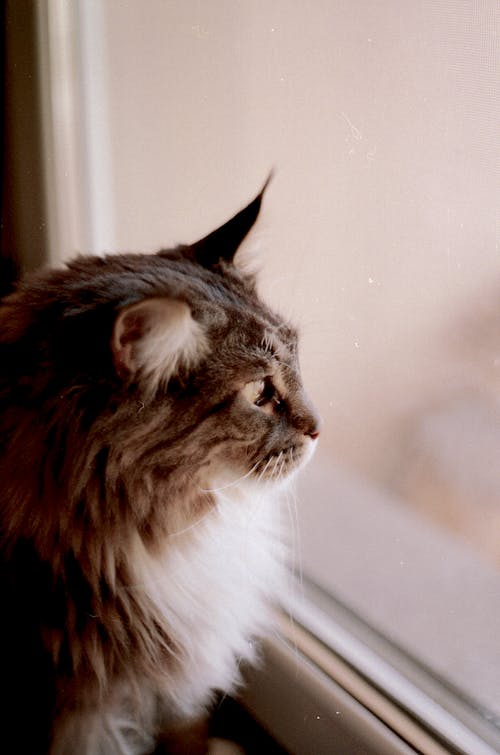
278, 465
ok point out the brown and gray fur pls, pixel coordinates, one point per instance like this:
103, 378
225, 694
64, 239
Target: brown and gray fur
149, 406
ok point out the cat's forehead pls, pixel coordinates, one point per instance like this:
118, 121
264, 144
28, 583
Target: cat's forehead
279, 341
240, 323
272, 344
231, 299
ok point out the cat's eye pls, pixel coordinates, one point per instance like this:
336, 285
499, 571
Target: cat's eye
261, 392
254, 390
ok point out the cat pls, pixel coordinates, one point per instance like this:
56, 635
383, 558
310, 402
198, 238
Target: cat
150, 409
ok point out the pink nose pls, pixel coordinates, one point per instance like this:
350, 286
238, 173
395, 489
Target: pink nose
308, 422
314, 426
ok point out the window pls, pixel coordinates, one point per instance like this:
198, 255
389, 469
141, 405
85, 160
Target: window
380, 238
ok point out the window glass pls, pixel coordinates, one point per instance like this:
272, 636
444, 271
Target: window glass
379, 237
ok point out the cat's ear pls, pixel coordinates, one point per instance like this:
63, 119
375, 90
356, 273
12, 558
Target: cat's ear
224, 242
155, 338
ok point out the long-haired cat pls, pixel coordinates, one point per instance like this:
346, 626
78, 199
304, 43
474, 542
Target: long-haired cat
150, 405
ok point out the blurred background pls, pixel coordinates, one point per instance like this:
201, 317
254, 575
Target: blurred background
132, 126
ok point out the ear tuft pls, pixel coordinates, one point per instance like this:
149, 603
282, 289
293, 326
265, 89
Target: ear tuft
155, 338
224, 242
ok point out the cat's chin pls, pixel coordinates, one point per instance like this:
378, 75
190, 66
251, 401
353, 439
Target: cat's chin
283, 465
308, 449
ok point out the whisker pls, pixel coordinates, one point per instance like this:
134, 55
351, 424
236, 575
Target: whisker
218, 490
297, 550
283, 467
296, 559
262, 473
275, 472
191, 526
231, 484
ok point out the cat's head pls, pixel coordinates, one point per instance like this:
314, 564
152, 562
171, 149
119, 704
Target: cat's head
156, 369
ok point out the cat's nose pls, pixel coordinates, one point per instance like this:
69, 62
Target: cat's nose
311, 424
314, 429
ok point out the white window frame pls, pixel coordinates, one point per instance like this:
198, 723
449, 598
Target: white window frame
320, 689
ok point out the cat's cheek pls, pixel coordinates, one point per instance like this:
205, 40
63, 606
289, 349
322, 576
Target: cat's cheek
228, 467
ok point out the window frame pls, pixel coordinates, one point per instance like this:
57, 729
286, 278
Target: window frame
317, 673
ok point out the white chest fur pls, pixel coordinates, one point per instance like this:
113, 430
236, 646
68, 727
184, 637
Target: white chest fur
212, 586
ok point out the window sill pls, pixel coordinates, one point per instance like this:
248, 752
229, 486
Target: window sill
324, 691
